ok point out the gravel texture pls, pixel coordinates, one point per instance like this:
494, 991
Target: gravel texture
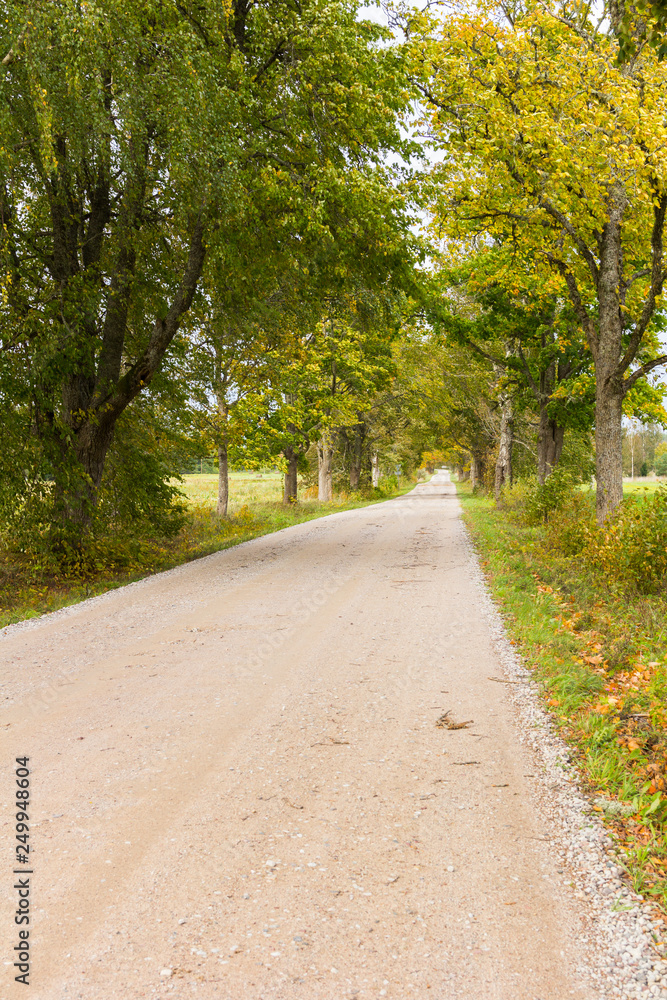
258, 776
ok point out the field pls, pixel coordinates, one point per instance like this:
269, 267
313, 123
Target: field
244, 487
34, 585
636, 485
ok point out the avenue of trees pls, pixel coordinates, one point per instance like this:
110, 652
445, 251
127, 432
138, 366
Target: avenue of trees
264, 231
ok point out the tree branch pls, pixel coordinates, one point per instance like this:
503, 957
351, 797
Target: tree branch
577, 302
164, 330
563, 221
657, 280
643, 370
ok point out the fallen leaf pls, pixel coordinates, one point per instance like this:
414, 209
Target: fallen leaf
444, 722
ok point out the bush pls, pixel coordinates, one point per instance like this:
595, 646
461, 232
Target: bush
551, 496
516, 497
535, 503
570, 526
631, 546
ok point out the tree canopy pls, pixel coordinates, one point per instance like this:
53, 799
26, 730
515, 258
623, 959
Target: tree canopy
281, 230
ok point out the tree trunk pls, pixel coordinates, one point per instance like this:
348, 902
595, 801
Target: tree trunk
609, 388
77, 484
504, 460
476, 470
101, 393
549, 445
223, 480
375, 469
290, 492
608, 449
357, 455
223, 464
325, 469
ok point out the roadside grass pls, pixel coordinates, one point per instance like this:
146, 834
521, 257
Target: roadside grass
29, 585
599, 655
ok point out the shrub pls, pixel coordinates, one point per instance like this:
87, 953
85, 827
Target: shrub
631, 546
533, 502
569, 527
550, 496
516, 496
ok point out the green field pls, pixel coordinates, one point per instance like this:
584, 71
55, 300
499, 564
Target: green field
244, 488
635, 485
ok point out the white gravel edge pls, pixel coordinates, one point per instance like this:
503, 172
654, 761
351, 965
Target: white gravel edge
624, 960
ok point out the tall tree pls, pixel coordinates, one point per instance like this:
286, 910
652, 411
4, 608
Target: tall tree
551, 146
135, 137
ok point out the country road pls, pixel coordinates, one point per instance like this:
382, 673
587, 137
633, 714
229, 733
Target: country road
239, 789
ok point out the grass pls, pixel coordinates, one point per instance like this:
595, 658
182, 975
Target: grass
30, 587
636, 485
599, 654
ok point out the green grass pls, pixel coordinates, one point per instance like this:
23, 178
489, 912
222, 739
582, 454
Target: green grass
636, 485
599, 655
29, 587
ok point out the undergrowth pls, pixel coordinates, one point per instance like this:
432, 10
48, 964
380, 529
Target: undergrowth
589, 617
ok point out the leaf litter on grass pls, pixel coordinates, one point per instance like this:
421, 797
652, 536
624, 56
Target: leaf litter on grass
599, 654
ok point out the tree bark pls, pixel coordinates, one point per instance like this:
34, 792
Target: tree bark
223, 480
290, 491
608, 450
550, 440
476, 470
325, 468
504, 460
375, 469
78, 480
609, 387
357, 455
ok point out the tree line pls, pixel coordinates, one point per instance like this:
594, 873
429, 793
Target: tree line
264, 228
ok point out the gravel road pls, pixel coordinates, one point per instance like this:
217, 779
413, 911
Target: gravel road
240, 789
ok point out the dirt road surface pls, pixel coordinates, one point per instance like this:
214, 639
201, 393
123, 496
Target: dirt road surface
240, 791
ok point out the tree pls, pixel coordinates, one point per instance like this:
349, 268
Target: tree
551, 147
520, 322
135, 138
322, 382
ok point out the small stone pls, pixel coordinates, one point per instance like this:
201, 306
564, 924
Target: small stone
165, 973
